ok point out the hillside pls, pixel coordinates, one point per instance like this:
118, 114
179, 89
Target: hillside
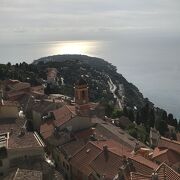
105, 86
97, 73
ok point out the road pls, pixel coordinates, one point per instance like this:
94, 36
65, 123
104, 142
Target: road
113, 88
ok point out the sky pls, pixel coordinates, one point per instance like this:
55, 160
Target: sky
140, 37
54, 20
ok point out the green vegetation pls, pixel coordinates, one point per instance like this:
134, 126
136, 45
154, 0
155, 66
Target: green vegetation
138, 132
96, 72
71, 67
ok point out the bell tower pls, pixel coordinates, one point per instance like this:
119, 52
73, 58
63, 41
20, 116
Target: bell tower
82, 97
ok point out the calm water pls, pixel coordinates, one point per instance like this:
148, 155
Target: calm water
152, 64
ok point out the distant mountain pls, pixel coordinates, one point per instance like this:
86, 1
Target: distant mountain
97, 72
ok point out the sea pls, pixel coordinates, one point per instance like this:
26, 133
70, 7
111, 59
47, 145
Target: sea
150, 63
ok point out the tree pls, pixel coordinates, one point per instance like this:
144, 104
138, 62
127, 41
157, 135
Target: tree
116, 113
131, 115
8, 64
138, 120
133, 131
125, 111
145, 113
108, 110
170, 118
152, 118
162, 127
164, 116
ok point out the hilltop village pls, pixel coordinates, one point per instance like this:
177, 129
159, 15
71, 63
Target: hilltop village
44, 137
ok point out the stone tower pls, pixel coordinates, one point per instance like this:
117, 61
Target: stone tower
82, 98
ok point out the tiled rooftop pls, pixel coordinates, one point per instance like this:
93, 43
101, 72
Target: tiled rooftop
169, 156
167, 173
116, 151
107, 164
23, 174
72, 147
15, 141
170, 144
82, 159
61, 115
114, 147
163, 172
112, 132
143, 165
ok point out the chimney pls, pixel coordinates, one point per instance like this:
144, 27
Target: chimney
125, 168
105, 150
155, 176
137, 147
11, 132
124, 161
130, 165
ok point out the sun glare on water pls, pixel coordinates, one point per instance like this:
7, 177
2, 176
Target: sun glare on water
74, 47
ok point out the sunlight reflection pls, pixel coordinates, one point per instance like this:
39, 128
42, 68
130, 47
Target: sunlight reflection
74, 47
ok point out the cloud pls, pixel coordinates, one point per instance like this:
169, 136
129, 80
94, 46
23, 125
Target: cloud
82, 19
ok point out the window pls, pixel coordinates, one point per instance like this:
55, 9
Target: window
1, 163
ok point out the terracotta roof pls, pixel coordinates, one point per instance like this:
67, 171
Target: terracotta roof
72, 147
82, 159
167, 155
15, 141
82, 134
22, 174
47, 129
61, 115
112, 132
113, 146
107, 164
139, 176
166, 172
157, 152
143, 165
170, 144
